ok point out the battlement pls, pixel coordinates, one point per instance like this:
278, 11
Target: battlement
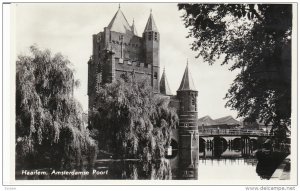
118, 50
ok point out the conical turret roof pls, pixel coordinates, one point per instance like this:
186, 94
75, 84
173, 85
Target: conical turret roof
133, 28
164, 85
119, 23
151, 26
187, 82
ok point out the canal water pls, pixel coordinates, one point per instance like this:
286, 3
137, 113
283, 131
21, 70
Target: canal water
211, 163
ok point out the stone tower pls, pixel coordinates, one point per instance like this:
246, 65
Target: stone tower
119, 50
188, 115
151, 38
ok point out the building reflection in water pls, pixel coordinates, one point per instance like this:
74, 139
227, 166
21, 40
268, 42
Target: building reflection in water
188, 164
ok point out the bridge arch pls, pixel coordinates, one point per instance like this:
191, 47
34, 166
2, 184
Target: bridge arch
219, 146
202, 144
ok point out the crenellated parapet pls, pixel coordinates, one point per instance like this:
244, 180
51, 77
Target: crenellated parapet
118, 49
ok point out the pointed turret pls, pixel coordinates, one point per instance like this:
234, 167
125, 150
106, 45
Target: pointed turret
119, 23
188, 112
151, 26
164, 85
133, 28
187, 82
151, 39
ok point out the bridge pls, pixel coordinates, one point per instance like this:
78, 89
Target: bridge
228, 136
233, 133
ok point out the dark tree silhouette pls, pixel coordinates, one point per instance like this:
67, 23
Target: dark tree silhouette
256, 40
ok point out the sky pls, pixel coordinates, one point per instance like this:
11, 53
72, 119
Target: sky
68, 28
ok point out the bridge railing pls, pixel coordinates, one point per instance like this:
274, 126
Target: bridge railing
231, 132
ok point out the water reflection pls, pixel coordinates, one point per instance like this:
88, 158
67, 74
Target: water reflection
212, 160
218, 147
238, 154
185, 166
157, 170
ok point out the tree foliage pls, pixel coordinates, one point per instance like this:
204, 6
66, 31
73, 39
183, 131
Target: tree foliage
256, 40
49, 128
131, 121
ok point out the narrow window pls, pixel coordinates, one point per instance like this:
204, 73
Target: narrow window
155, 75
98, 39
155, 36
98, 84
149, 35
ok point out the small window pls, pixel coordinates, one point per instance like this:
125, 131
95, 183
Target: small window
193, 101
155, 75
155, 36
99, 78
121, 37
98, 81
149, 35
98, 39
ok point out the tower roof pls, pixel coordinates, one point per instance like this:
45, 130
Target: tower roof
119, 23
151, 26
187, 82
164, 85
133, 28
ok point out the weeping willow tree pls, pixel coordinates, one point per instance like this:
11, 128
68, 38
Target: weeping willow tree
131, 121
49, 126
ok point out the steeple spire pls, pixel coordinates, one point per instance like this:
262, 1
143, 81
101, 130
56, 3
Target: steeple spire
164, 85
187, 82
133, 28
151, 26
